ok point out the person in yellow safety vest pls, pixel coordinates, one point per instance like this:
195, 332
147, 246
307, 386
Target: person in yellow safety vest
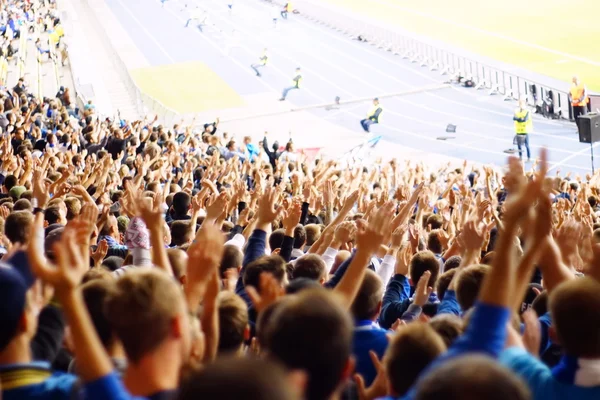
54, 39
286, 9
263, 60
373, 116
3, 70
579, 99
59, 30
523, 127
296, 81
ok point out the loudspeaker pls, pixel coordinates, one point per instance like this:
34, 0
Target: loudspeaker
589, 128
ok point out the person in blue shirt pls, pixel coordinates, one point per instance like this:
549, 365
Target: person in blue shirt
368, 336
574, 306
397, 294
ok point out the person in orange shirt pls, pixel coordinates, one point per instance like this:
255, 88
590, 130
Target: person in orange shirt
579, 98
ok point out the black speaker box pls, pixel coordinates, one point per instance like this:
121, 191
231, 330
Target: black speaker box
589, 128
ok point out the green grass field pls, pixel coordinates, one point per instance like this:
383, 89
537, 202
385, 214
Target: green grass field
552, 37
187, 87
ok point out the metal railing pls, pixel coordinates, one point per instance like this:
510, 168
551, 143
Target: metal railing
437, 56
144, 104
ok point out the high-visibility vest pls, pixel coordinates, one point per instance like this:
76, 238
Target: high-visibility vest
521, 128
372, 112
297, 81
59, 30
288, 6
576, 93
53, 37
264, 59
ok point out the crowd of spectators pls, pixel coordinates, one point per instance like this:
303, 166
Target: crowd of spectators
146, 261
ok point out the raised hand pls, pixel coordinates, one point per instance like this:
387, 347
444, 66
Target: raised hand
270, 292
267, 212
100, 253
40, 190
204, 257
369, 239
472, 236
423, 291
344, 233
379, 386
403, 261
292, 217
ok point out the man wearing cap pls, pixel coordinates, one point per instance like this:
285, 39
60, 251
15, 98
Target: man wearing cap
373, 115
21, 376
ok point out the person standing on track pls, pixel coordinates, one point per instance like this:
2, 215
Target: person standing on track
263, 60
296, 81
373, 116
523, 127
286, 9
579, 99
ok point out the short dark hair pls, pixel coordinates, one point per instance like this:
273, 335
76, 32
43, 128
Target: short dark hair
312, 331
10, 181
52, 215
276, 239
181, 232
310, 266
448, 326
574, 306
273, 264
433, 242
471, 377
367, 300
232, 258
17, 226
468, 284
452, 263
421, 262
409, 353
181, 202
231, 378
299, 236
95, 292
443, 283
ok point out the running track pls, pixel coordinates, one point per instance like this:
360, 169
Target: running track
334, 65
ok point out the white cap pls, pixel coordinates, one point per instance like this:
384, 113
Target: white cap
238, 241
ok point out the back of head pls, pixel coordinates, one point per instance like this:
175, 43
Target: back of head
471, 377
448, 326
274, 265
313, 232
141, 310
181, 233
312, 332
299, 237
234, 378
276, 239
421, 262
233, 322
468, 285
367, 303
575, 310
310, 266
340, 257
181, 202
95, 293
410, 351
434, 243
17, 226
452, 263
443, 283
22, 205
232, 258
